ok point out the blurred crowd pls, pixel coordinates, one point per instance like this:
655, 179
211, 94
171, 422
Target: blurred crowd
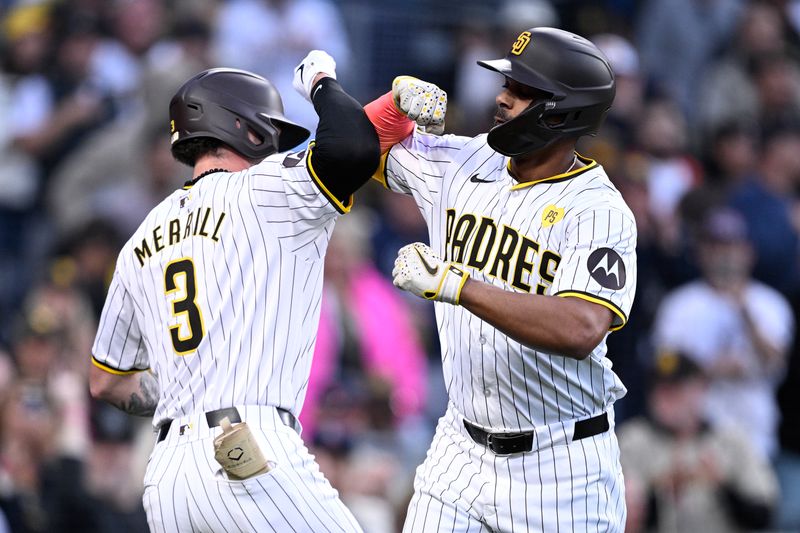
703, 141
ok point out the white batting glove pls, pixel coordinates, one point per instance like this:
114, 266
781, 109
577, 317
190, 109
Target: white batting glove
420, 271
315, 62
423, 102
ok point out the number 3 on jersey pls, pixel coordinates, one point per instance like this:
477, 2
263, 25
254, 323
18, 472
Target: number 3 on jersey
184, 307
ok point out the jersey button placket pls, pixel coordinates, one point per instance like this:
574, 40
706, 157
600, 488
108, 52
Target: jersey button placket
487, 390
505, 193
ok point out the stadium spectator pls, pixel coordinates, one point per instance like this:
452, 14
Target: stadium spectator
671, 169
768, 201
684, 472
677, 40
728, 90
731, 155
97, 180
626, 113
737, 329
270, 37
27, 40
482, 35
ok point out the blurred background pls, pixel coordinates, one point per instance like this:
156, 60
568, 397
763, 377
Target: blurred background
703, 142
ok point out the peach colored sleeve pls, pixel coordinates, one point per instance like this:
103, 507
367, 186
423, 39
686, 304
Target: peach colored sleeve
392, 126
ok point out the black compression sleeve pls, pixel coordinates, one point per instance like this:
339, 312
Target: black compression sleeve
346, 150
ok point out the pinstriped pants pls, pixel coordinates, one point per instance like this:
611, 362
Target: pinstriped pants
559, 486
185, 489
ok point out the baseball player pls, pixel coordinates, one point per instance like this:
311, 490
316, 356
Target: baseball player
211, 316
531, 263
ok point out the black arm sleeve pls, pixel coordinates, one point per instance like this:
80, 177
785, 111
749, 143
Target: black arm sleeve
346, 151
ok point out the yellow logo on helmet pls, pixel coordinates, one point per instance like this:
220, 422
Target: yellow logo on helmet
172, 126
521, 42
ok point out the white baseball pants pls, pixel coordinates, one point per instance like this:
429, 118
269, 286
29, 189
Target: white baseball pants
561, 485
185, 489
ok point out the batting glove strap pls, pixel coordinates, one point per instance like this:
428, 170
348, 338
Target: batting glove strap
423, 102
450, 288
315, 62
420, 271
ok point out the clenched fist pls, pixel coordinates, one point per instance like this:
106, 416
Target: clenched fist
420, 271
315, 62
423, 102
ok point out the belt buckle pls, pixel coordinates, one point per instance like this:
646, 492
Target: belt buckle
490, 443
505, 444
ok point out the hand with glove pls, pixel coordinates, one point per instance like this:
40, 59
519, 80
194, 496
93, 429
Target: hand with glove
420, 271
422, 102
305, 74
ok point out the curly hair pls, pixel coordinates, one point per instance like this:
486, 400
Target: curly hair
189, 151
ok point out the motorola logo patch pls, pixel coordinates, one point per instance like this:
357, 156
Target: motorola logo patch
606, 268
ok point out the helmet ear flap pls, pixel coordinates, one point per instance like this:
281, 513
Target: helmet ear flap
572, 69
552, 119
524, 133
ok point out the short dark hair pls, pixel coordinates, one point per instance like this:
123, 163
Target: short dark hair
189, 151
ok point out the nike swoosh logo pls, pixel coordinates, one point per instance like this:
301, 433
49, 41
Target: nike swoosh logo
431, 270
300, 70
475, 179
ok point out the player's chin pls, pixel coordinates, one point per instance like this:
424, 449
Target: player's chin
498, 121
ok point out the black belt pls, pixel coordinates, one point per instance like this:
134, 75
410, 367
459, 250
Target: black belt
213, 418
508, 443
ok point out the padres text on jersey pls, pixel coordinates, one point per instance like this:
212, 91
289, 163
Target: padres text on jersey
568, 235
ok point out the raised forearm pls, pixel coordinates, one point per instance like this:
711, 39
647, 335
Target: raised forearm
391, 125
566, 326
346, 150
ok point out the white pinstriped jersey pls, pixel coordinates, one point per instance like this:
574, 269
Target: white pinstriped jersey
567, 235
218, 291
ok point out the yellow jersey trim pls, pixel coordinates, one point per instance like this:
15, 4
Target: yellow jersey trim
599, 301
380, 173
590, 164
112, 370
342, 208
